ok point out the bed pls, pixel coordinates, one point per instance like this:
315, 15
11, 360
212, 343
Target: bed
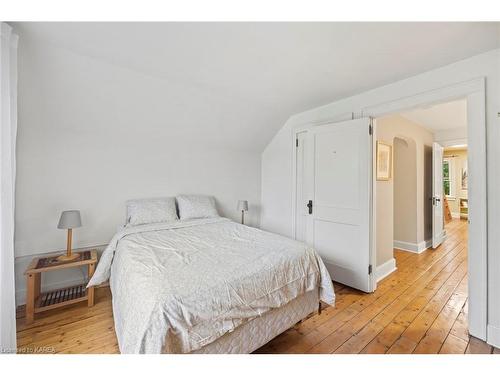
208, 285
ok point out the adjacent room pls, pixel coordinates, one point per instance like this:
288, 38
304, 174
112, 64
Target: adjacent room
255, 187
418, 223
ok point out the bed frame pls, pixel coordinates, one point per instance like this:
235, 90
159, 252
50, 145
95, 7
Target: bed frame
252, 335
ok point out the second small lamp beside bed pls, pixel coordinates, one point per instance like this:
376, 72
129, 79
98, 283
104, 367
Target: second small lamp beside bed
242, 206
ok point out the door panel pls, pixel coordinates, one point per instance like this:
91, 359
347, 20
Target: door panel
341, 155
437, 195
341, 188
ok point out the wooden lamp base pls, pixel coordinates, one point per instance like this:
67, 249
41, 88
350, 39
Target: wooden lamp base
68, 256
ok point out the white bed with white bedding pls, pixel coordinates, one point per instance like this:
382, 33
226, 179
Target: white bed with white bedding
208, 285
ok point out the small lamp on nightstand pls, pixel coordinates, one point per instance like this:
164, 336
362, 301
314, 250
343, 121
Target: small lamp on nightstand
242, 206
69, 220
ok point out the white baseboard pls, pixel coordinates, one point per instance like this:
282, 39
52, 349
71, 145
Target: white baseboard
406, 246
424, 245
385, 269
493, 336
413, 247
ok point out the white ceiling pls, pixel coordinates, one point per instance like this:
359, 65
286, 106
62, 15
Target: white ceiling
443, 116
276, 69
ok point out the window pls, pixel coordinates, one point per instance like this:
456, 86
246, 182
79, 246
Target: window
448, 178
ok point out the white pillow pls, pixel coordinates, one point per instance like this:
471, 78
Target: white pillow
148, 211
196, 206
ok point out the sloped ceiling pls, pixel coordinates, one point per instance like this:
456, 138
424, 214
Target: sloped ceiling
269, 70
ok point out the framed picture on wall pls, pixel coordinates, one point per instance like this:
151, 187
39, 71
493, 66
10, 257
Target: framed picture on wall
384, 161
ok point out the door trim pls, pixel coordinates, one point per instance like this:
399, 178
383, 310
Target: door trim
474, 92
373, 225
438, 234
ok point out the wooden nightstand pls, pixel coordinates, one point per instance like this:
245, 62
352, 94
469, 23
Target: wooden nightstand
38, 302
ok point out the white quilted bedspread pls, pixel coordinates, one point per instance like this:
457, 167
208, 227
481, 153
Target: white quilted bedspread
185, 284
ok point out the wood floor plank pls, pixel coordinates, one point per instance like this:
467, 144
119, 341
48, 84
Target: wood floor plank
477, 346
354, 325
394, 329
436, 335
453, 345
424, 288
403, 345
460, 326
418, 327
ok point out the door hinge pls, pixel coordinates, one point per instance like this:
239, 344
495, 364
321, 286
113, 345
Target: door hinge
296, 142
370, 269
370, 129
310, 206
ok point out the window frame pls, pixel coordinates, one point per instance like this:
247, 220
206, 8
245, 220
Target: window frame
451, 178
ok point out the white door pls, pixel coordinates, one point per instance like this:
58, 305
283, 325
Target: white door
301, 191
339, 204
437, 195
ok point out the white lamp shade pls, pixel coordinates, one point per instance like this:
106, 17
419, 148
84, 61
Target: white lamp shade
242, 205
70, 219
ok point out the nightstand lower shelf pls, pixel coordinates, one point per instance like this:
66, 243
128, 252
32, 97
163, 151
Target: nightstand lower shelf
61, 297
36, 301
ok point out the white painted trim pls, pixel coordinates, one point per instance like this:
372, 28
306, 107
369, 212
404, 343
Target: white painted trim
295, 134
430, 97
475, 93
477, 213
453, 142
413, 247
385, 269
494, 336
439, 239
406, 246
373, 226
424, 245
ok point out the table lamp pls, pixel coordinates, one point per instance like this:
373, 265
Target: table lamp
69, 220
242, 206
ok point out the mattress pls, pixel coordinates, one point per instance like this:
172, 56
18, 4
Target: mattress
254, 334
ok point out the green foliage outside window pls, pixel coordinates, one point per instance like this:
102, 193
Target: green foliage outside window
446, 177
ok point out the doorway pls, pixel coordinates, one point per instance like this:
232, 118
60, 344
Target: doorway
440, 178
473, 93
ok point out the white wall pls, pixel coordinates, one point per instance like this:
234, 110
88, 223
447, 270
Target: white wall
92, 135
277, 162
404, 197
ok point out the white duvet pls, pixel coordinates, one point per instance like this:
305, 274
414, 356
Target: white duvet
187, 283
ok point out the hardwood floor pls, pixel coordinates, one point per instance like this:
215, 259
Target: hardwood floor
420, 308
